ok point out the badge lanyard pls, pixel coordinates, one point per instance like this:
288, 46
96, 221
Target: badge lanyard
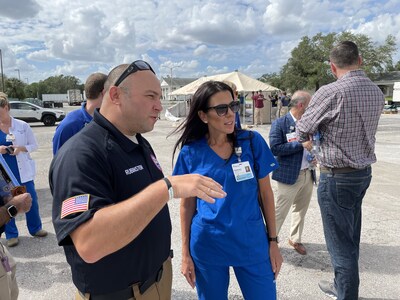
241, 170
238, 153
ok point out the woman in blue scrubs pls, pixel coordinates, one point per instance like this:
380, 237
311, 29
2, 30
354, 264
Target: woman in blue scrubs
231, 231
16, 144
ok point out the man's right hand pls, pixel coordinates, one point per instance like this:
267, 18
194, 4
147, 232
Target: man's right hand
195, 185
22, 202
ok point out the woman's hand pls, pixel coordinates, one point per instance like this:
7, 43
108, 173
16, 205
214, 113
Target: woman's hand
3, 149
187, 270
276, 258
17, 150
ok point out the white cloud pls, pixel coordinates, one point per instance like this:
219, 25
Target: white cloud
203, 37
200, 50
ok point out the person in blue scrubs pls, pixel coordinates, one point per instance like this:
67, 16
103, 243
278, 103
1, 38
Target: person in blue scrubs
78, 119
230, 232
16, 144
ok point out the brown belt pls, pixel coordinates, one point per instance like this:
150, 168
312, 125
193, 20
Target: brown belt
339, 170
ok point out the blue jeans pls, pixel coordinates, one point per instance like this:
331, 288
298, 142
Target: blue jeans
340, 198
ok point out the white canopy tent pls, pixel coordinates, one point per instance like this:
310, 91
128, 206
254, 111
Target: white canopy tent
243, 83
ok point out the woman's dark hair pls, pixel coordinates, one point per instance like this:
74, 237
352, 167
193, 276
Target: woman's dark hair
193, 128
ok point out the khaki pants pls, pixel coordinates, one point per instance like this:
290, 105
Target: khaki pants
296, 196
158, 291
257, 116
8, 283
283, 111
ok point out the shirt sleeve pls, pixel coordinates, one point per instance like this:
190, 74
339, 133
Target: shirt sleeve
31, 143
263, 156
181, 165
84, 176
317, 113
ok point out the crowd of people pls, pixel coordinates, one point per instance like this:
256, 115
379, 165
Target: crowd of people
110, 195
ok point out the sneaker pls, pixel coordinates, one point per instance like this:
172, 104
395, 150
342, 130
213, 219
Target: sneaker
12, 242
328, 288
40, 233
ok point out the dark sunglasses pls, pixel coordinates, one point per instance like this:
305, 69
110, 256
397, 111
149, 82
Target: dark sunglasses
138, 65
222, 109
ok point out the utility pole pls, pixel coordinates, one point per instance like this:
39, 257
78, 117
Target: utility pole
170, 85
2, 74
19, 76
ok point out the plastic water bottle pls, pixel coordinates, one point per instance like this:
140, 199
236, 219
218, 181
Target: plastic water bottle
310, 158
316, 148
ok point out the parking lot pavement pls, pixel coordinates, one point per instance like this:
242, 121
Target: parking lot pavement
43, 273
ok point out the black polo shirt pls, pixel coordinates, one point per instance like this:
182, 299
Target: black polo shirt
102, 162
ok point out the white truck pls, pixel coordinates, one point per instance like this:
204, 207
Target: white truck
54, 100
74, 97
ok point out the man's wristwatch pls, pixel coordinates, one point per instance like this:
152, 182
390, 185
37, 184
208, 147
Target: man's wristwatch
273, 239
12, 211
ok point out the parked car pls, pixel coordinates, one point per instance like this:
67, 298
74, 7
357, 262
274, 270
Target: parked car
34, 113
390, 109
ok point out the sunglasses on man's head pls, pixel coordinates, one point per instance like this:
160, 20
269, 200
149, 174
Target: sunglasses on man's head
222, 109
138, 65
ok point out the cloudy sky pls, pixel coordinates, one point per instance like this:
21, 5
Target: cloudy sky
191, 38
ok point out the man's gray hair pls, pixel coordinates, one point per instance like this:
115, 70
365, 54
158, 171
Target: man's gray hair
299, 97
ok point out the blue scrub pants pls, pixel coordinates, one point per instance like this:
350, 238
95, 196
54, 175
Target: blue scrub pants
32, 216
256, 281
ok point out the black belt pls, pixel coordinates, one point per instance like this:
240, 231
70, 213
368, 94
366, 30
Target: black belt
128, 292
339, 170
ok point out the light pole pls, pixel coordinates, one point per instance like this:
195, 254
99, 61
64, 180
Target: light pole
19, 76
27, 80
2, 74
170, 85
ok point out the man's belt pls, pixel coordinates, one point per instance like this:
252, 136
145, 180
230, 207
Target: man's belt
128, 292
339, 170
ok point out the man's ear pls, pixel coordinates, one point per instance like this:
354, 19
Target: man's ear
115, 95
334, 69
203, 116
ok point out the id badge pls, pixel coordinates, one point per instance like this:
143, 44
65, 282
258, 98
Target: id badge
10, 137
291, 137
242, 171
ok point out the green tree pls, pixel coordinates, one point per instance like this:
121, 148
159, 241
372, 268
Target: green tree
397, 66
15, 88
273, 79
308, 67
58, 85
32, 90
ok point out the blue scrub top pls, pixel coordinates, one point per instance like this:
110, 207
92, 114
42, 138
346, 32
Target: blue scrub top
231, 231
71, 125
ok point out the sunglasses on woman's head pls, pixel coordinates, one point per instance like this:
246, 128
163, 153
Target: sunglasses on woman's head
138, 65
222, 109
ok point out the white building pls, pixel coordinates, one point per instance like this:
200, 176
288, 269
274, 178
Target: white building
169, 84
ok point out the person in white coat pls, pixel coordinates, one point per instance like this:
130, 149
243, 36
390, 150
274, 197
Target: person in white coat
16, 143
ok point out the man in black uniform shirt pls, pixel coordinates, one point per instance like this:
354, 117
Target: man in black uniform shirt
8, 283
110, 208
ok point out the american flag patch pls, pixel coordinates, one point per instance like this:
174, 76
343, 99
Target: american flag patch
75, 204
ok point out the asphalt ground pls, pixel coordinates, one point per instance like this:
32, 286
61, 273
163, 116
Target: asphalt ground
43, 273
